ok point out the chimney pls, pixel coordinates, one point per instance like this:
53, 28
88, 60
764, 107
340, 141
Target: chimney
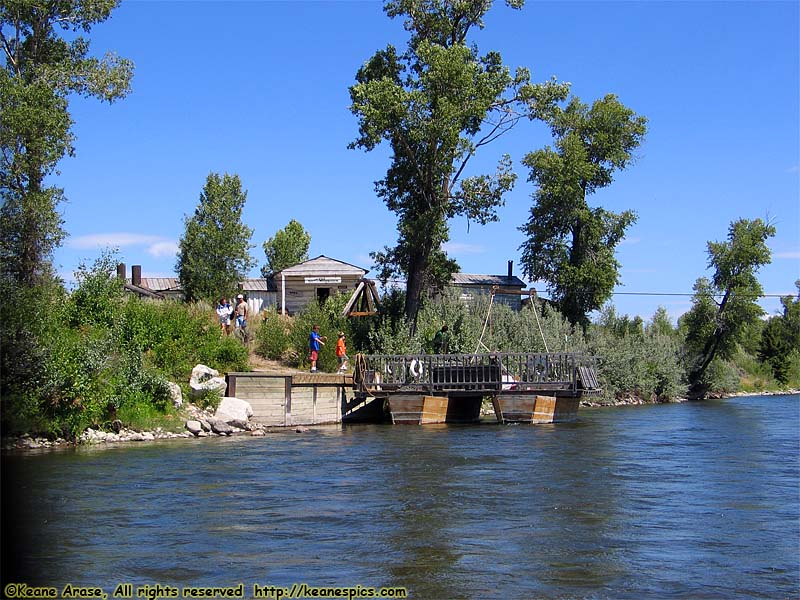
136, 275
121, 271
510, 269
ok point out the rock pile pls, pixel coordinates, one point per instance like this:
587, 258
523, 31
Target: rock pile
232, 416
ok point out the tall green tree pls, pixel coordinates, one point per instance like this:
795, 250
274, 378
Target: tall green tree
436, 104
214, 252
715, 327
287, 247
41, 70
570, 245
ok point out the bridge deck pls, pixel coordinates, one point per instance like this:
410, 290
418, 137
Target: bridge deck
559, 374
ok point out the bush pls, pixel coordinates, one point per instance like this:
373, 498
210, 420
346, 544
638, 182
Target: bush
273, 336
635, 360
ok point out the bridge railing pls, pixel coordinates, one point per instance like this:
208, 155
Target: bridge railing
491, 372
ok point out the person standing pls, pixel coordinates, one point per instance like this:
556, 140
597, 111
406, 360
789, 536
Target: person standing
341, 353
314, 342
224, 314
241, 316
441, 341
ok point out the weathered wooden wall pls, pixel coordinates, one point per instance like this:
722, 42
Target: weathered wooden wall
277, 402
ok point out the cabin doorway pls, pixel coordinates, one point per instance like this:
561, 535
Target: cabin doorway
322, 295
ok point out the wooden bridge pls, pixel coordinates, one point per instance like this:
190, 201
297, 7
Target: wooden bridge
524, 386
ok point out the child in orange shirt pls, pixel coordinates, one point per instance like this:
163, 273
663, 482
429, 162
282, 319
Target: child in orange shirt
341, 352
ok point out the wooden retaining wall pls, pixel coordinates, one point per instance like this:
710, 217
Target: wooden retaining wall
287, 400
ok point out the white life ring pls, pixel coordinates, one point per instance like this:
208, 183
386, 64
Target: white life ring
416, 368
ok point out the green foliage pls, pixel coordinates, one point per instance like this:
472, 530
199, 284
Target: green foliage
215, 248
83, 359
637, 360
436, 105
569, 244
721, 377
272, 338
41, 70
98, 298
780, 340
288, 247
714, 330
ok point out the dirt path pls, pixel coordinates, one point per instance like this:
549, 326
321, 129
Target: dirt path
263, 365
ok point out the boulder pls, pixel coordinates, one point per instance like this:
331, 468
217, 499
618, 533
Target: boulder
201, 388
219, 426
234, 412
176, 394
203, 373
204, 380
195, 427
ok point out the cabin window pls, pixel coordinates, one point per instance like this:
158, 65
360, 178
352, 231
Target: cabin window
323, 294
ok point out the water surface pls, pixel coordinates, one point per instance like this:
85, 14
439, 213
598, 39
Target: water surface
694, 500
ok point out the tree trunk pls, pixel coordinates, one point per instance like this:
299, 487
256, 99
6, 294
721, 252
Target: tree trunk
416, 275
709, 352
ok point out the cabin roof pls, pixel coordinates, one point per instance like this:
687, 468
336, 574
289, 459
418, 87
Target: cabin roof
162, 284
173, 284
258, 285
142, 291
323, 265
473, 279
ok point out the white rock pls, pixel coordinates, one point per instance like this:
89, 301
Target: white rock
148, 436
234, 411
215, 384
176, 394
204, 380
195, 427
202, 373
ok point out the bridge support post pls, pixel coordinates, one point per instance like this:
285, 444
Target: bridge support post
532, 408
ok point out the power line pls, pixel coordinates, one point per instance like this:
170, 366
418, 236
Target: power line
684, 294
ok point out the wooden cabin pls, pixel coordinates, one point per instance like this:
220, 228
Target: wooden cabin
315, 280
471, 286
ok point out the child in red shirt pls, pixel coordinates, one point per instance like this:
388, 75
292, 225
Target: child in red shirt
341, 352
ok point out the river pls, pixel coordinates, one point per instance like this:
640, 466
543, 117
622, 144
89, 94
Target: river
692, 500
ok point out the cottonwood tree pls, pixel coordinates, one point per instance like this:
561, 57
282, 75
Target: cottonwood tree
715, 327
436, 104
215, 248
570, 245
287, 247
41, 71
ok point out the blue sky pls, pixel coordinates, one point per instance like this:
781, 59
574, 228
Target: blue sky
260, 89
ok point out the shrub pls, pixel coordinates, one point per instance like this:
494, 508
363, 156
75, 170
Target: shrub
273, 336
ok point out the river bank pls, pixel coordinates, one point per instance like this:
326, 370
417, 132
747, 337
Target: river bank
205, 418
637, 400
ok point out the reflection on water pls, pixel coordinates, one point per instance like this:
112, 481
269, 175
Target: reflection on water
693, 500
